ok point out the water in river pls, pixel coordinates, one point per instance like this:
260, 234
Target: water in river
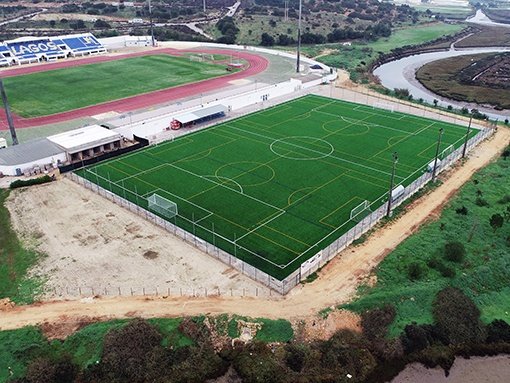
401, 74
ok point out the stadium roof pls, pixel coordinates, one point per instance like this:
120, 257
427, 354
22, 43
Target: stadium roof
84, 138
201, 113
27, 152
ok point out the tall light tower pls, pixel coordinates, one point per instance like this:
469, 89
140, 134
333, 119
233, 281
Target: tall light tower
8, 114
437, 154
392, 182
299, 36
152, 24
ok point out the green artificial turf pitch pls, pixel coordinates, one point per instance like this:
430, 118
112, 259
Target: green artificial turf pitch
280, 182
60, 90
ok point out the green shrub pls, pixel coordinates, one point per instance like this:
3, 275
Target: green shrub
33, 181
454, 251
414, 271
375, 322
481, 202
461, 210
446, 271
498, 331
457, 316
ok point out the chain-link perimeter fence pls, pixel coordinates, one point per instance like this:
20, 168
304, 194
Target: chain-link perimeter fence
320, 259
161, 291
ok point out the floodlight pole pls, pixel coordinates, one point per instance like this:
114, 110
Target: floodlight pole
8, 114
299, 36
437, 154
392, 180
204, 6
152, 24
467, 137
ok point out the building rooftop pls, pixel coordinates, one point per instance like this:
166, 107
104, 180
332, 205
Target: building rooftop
27, 152
84, 138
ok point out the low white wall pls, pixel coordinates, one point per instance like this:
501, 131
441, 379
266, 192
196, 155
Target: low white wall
118, 42
155, 126
9, 170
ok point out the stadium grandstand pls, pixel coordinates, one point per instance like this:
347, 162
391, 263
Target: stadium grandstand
26, 50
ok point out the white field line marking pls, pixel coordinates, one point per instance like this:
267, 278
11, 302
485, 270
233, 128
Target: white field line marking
261, 225
226, 187
315, 151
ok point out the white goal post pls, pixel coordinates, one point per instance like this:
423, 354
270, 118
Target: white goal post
163, 206
360, 211
384, 105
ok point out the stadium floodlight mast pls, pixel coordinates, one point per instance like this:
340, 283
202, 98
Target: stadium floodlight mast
299, 36
437, 154
392, 181
152, 24
467, 137
10, 122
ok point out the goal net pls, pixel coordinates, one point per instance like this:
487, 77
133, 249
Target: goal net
360, 211
196, 58
163, 206
445, 153
383, 105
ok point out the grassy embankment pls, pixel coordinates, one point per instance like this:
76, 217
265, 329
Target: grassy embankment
15, 261
359, 54
483, 273
19, 347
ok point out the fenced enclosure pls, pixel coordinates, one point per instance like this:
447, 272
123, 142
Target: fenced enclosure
320, 259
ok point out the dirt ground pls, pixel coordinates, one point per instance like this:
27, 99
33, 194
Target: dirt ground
337, 282
90, 242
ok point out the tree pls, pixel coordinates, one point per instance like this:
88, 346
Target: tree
454, 251
42, 370
101, 24
498, 331
496, 221
457, 316
266, 40
435, 101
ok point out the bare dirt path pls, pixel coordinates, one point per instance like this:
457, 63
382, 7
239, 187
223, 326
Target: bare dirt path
336, 284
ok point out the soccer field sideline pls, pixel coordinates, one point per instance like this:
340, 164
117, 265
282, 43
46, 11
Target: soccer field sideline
279, 211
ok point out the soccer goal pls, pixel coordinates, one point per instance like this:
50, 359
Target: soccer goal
360, 211
445, 153
384, 105
163, 206
196, 58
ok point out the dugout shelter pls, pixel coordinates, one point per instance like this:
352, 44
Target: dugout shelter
198, 116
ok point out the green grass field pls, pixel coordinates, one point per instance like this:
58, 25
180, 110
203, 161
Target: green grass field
277, 186
55, 91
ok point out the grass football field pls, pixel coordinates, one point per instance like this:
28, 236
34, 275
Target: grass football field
60, 90
279, 183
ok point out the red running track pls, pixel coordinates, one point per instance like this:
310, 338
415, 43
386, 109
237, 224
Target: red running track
256, 64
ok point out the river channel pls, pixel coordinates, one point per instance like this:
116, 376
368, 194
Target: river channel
401, 73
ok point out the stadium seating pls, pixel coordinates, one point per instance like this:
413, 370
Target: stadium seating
83, 44
5, 55
27, 50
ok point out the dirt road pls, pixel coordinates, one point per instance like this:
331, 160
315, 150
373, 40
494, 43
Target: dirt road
336, 284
